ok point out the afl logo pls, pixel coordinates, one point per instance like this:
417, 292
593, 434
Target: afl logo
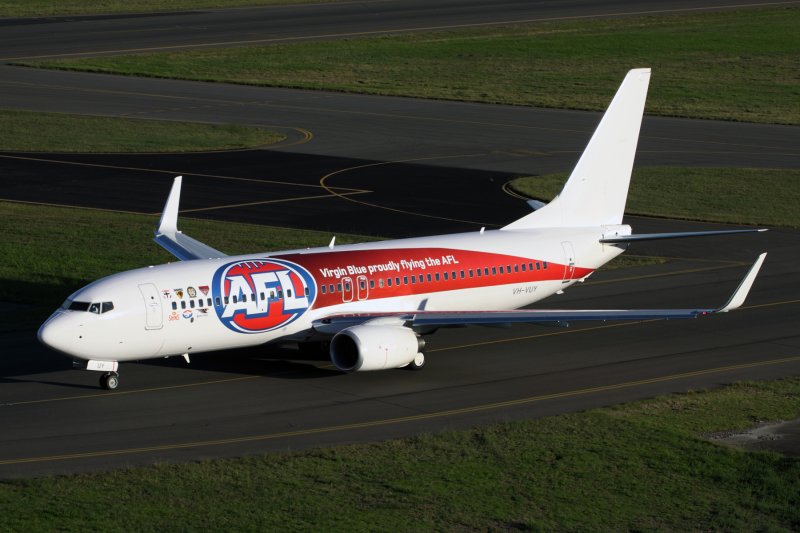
262, 294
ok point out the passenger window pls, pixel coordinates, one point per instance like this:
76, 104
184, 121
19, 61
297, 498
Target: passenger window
544, 265
538, 265
494, 271
324, 289
208, 302
338, 287
405, 280
397, 281
217, 300
471, 273
330, 288
362, 284
479, 272
454, 275
235, 299
380, 283
413, 280
516, 268
501, 269
307, 292
421, 278
523, 267
445, 276
486, 271
462, 274
183, 304
437, 276
388, 282
346, 287
288, 293
372, 284
191, 303
174, 305
429, 277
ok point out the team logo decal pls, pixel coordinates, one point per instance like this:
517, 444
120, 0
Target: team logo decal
262, 294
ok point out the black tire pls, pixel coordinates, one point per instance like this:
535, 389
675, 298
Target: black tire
109, 381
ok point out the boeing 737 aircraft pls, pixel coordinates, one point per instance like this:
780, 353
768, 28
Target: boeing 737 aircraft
373, 302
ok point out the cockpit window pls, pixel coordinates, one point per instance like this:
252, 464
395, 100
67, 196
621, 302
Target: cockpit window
96, 307
79, 306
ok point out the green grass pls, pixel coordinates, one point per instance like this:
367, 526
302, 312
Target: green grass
635, 467
730, 195
45, 132
49, 8
737, 65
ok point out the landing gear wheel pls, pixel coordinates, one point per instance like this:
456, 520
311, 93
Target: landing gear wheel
109, 381
418, 363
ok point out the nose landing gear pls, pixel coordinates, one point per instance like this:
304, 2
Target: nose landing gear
109, 381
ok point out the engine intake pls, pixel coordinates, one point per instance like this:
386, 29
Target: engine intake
374, 347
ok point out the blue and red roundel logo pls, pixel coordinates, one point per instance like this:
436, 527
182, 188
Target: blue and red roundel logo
260, 295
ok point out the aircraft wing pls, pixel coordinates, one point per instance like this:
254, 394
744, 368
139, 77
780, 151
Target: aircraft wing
557, 317
174, 241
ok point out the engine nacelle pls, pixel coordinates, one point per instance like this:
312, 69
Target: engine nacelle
374, 347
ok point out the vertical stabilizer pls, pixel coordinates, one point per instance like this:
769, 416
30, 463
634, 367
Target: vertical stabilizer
595, 193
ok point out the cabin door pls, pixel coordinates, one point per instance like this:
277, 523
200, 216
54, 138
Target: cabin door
152, 304
569, 261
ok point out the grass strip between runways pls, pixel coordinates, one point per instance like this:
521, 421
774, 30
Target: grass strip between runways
640, 466
31, 131
733, 64
753, 196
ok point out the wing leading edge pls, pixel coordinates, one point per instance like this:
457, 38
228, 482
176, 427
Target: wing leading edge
174, 241
559, 317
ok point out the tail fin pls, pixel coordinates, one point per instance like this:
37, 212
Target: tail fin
596, 191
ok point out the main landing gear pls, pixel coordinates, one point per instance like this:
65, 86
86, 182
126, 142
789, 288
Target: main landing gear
109, 381
417, 363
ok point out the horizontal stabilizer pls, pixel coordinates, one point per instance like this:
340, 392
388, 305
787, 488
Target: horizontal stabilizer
678, 235
168, 237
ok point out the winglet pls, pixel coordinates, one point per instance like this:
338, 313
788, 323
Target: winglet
169, 218
168, 237
744, 287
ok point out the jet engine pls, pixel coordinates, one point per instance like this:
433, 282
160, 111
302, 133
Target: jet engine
376, 347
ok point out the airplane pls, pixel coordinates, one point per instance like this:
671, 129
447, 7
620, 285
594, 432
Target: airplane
371, 304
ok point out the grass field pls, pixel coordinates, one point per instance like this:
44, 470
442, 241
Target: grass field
48, 8
699, 68
33, 131
733, 195
635, 467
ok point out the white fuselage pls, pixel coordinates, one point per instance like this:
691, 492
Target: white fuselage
204, 305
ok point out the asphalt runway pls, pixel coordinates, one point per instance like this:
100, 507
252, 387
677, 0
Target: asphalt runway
414, 167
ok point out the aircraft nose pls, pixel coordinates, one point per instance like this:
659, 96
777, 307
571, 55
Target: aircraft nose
54, 333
